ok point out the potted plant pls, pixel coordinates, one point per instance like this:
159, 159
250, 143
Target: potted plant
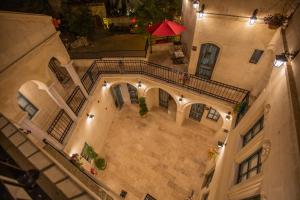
100, 163
90, 152
143, 106
76, 160
213, 153
275, 21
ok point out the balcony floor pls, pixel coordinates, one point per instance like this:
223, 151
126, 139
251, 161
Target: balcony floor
153, 155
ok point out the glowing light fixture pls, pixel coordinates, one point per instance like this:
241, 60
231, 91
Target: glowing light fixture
104, 84
90, 116
280, 60
200, 13
140, 84
196, 4
253, 18
180, 98
220, 144
228, 116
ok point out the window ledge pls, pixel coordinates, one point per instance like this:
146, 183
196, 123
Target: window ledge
249, 187
250, 148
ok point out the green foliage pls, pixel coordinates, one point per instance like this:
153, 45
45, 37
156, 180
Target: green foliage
143, 106
78, 20
89, 151
153, 11
100, 163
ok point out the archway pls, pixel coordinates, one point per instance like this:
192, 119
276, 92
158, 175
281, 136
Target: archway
158, 98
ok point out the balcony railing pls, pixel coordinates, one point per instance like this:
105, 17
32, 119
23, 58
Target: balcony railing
76, 100
218, 90
60, 126
88, 180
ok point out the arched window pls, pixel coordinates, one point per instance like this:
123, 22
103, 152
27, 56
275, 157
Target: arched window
60, 72
207, 60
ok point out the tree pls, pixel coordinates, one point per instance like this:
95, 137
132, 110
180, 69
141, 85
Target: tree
143, 106
78, 19
153, 11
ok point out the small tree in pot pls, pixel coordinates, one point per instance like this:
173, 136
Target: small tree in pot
143, 106
275, 21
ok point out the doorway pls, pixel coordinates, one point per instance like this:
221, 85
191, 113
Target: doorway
163, 99
207, 60
196, 111
133, 94
117, 96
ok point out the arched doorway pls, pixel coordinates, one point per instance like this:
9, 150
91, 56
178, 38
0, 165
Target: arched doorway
207, 59
157, 98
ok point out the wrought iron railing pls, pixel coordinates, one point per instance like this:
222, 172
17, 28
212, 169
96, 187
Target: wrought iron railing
88, 180
90, 77
60, 126
225, 92
76, 100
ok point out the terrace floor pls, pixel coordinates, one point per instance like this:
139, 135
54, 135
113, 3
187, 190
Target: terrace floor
153, 155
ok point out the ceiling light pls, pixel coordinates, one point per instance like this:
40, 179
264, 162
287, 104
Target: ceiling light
280, 60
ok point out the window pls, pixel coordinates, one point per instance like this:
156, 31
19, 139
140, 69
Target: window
256, 56
250, 167
213, 114
254, 130
88, 152
253, 198
26, 105
208, 178
205, 196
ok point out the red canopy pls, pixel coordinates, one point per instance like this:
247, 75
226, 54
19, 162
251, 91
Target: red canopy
166, 28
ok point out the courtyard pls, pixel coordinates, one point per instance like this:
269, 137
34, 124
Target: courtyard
153, 155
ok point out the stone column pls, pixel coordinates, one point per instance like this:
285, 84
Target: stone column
37, 132
74, 76
61, 102
180, 116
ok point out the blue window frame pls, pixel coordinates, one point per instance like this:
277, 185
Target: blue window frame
207, 60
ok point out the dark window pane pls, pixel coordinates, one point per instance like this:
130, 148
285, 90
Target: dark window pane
213, 114
253, 131
256, 56
26, 105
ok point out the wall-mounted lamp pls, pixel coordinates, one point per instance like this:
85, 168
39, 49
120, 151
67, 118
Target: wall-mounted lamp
196, 4
220, 144
180, 98
140, 84
253, 18
90, 116
228, 116
200, 13
283, 58
104, 84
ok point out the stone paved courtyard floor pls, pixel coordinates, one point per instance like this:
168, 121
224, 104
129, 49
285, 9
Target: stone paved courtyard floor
154, 155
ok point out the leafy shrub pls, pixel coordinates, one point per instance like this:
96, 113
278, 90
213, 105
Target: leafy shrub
100, 163
143, 106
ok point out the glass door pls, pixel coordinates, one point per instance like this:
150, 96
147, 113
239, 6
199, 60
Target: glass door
163, 98
117, 95
207, 60
133, 94
196, 111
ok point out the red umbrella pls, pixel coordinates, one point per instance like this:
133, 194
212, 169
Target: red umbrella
166, 28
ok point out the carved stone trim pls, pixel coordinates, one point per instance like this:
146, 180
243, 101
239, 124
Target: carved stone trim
266, 148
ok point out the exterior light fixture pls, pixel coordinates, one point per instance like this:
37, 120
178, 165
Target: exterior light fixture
200, 13
104, 84
228, 116
220, 144
90, 116
180, 98
196, 4
280, 60
253, 18
140, 84
283, 58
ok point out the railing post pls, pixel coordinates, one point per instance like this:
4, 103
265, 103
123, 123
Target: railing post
75, 77
61, 102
